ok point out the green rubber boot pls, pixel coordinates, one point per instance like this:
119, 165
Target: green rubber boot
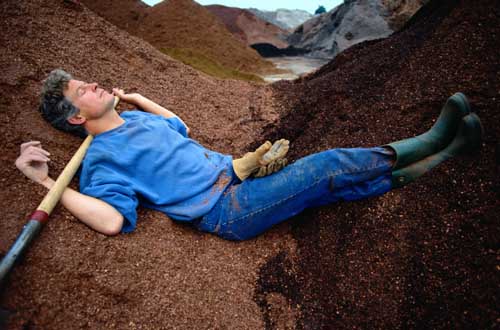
468, 139
438, 137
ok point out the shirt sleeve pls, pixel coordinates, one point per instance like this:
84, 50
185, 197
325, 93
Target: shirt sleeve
177, 125
118, 195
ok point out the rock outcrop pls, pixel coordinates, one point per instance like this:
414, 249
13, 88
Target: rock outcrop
284, 18
350, 23
400, 11
249, 28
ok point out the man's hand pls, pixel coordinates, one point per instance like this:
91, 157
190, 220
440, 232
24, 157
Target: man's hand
95, 213
147, 105
267, 156
277, 151
33, 161
131, 98
272, 167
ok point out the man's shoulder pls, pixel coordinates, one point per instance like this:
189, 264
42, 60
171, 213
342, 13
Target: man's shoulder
133, 114
138, 115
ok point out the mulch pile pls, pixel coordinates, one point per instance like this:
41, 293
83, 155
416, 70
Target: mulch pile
424, 256
164, 274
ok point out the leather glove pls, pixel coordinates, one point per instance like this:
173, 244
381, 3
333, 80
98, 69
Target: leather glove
271, 168
252, 162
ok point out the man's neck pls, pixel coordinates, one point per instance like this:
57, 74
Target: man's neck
105, 123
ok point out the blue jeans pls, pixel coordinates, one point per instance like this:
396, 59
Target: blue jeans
248, 208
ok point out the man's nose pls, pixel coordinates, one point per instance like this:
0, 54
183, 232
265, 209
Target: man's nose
93, 86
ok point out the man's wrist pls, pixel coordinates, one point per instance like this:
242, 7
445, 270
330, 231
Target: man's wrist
137, 98
47, 183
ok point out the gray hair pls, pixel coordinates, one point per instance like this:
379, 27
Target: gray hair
55, 107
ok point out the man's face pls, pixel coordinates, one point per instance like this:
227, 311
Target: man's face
92, 101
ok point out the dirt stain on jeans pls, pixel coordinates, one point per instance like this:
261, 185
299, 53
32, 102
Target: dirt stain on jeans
220, 184
234, 199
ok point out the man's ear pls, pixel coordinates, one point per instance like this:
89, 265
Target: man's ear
77, 120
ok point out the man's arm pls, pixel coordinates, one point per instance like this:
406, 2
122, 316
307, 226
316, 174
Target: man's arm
95, 213
147, 105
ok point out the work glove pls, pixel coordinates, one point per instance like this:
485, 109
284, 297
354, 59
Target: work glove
270, 168
265, 160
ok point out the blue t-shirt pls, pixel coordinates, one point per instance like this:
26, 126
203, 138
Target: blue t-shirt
150, 160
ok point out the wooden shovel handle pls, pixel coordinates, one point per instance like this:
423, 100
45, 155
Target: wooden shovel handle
54, 194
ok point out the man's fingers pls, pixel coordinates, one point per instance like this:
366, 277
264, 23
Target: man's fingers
29, 144
37, 150
278, 150
263, 148
26, 160
271, 168
280, 146
36, 157
33, 147
39, 158
118, 91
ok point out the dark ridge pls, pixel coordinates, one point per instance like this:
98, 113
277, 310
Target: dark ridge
428, 9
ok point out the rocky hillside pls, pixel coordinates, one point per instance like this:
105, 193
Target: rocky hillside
285, 18
350, 23
182, 27
249, 28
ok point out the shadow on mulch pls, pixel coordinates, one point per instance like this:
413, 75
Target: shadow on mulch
419, 257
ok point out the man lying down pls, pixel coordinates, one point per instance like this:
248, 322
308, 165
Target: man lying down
147, 157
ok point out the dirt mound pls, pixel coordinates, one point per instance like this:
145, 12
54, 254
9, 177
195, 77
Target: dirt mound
424, 256
186, 25
162, 275
249, 28
126, 14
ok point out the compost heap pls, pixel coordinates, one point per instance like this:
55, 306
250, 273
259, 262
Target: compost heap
73, 277
421, 256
